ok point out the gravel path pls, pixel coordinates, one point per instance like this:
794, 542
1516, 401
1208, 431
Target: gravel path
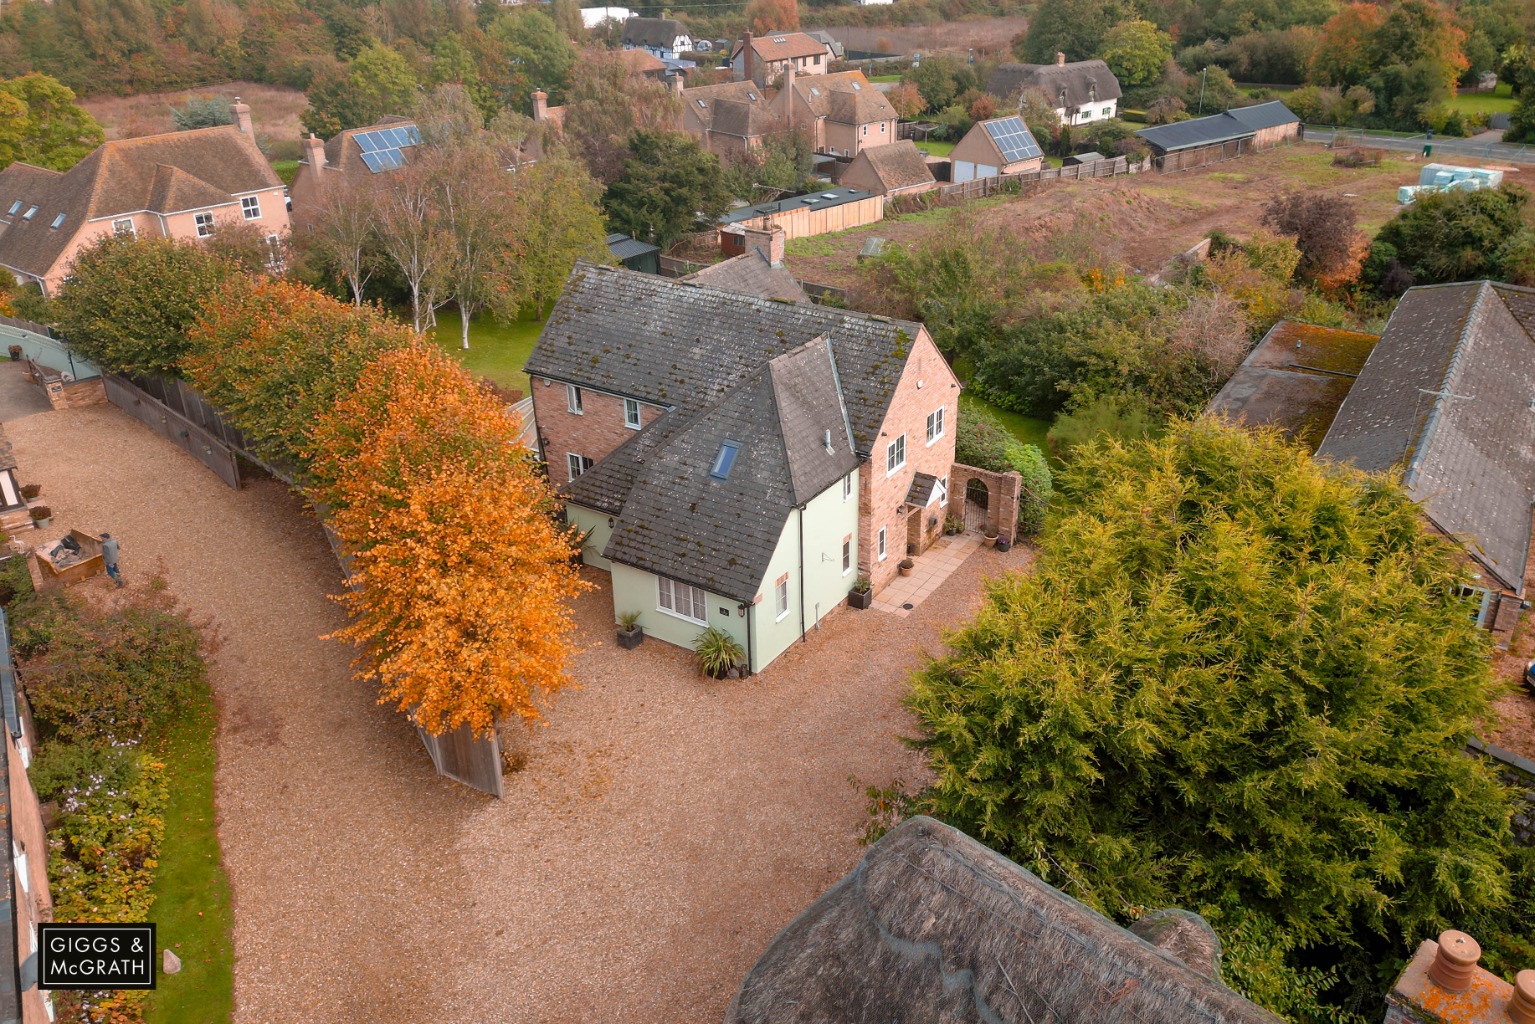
663, 830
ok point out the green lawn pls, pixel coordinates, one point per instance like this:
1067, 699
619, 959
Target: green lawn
285, 169
1499, 101
885, 78
936, 148
191, 890
1024, 428
496, 350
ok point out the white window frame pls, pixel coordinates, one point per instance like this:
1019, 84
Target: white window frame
274, 260
204, 222
574, 403
781, 597
124, 226
1480, 597
884, 548
575, 465
667, 593
847, 487
632, 422
847, 556
250, 206
934, 419
19, 857
892, 467
941, 489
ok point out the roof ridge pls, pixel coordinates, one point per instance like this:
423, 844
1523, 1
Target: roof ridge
1445, 392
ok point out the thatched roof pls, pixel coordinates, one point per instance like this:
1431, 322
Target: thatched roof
934, 927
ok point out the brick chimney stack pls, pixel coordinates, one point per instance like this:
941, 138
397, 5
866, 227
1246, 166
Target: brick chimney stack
768, 240
748, 59
314, 152
1443, 984
242, 116
1060, 59
540, 106
677, 82
788, 79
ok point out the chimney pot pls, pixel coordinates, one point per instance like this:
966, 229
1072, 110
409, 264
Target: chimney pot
1455, 964
1521, 1008
1060, 58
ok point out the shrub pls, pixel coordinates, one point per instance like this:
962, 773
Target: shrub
15, 579
1122, 417
718, 652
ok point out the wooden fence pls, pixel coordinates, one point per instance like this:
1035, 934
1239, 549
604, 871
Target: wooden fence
1218, 153
1022, 181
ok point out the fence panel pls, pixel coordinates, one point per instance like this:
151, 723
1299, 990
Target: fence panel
164, 420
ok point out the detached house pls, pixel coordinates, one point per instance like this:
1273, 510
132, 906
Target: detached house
738, 461
842, 114
350, 159
660, 37
730, 119
765, 59
178, 185
1081, 91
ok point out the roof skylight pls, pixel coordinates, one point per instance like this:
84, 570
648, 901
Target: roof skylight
58, 220
725, 460
30, 211
14, 207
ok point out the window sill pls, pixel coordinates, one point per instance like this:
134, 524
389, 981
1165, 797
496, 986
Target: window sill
935, 440
684, 618
782, 615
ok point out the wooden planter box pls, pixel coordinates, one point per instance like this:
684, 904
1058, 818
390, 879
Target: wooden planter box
88, 563
860, 599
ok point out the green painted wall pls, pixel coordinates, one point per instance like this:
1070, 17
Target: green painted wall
827, 519
597, 522
635, 590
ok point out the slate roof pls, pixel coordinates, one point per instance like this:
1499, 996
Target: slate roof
658, 32
684, 346
921, 491
829, 40
624, 247
1445, 398
1205, 131
168, 173
897, 165
1085, 81
751, 274
702, 101
846, 97
677, 520
933, 926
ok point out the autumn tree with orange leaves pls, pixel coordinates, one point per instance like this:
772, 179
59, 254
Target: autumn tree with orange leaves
461, 572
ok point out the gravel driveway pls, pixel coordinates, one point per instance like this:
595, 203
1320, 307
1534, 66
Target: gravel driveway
663, 830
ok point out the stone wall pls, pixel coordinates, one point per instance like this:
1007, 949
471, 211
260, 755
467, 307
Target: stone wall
75, 394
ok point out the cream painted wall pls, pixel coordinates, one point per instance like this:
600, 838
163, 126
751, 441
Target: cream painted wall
634, 590
590, 519
827, 520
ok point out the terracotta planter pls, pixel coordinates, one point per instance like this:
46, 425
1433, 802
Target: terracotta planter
629, 639
990, 540
860, 598
904, 569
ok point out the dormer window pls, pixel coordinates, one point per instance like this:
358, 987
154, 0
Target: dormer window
725, 460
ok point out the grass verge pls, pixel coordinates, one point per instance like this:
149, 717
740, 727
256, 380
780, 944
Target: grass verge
496, 350
192, 899
1024, 428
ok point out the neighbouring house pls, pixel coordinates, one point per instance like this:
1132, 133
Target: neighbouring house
543, 113
737, 461
1081, 91
25, 899
765, 59
819, 213
833, 47
634, 254
894, 169
933, 926
1236, 132
350, 159
660, 37
842, 114
1002, 145
178, 185
731, 119
1443, 403
591, 17
758, 271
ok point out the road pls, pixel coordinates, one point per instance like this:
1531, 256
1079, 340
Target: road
1443, 147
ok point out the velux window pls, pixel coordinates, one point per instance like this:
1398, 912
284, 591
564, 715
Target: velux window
725, 460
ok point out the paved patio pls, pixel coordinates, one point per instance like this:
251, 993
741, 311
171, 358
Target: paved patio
933, 566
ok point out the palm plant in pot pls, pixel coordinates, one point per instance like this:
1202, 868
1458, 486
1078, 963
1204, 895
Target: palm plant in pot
630, 633
720, 655
862, 594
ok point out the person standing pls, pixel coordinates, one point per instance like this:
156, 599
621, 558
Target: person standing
109, 557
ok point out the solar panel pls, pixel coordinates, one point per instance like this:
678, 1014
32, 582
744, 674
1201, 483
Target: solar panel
381, 147
373, 162
412, 133
368, 141
1013, 138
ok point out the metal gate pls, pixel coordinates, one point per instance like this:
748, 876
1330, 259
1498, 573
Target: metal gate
174, 427
463, 757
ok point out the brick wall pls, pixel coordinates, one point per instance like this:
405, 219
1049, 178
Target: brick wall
1003, 491
76, 394
594, 433
882, 498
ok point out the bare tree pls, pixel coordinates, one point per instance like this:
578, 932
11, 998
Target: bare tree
412, 235
343, 235
480, 214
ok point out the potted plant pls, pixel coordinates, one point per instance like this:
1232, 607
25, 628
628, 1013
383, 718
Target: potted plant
30, 491
1003, 544
990, 537
719, 654
906, 566
41, 515
953, 524
862, 594
630, 633
15, 351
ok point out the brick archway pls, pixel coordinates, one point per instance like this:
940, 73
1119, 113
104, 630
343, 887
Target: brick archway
1003, 492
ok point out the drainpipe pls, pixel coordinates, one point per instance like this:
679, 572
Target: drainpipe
746, 610
801, 510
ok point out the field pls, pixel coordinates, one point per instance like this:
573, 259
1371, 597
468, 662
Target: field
984, 35
496, 351
274, 110
1141, 221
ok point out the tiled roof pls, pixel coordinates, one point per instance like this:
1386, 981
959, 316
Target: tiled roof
783, 46
703, 100
846, 97
206, 167
921, 491
1084, 81
741, 118
1445, 398
684, 345
657, 32
682, 521
898, 165
751, 274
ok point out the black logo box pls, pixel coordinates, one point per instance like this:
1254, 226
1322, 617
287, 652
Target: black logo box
89, 957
